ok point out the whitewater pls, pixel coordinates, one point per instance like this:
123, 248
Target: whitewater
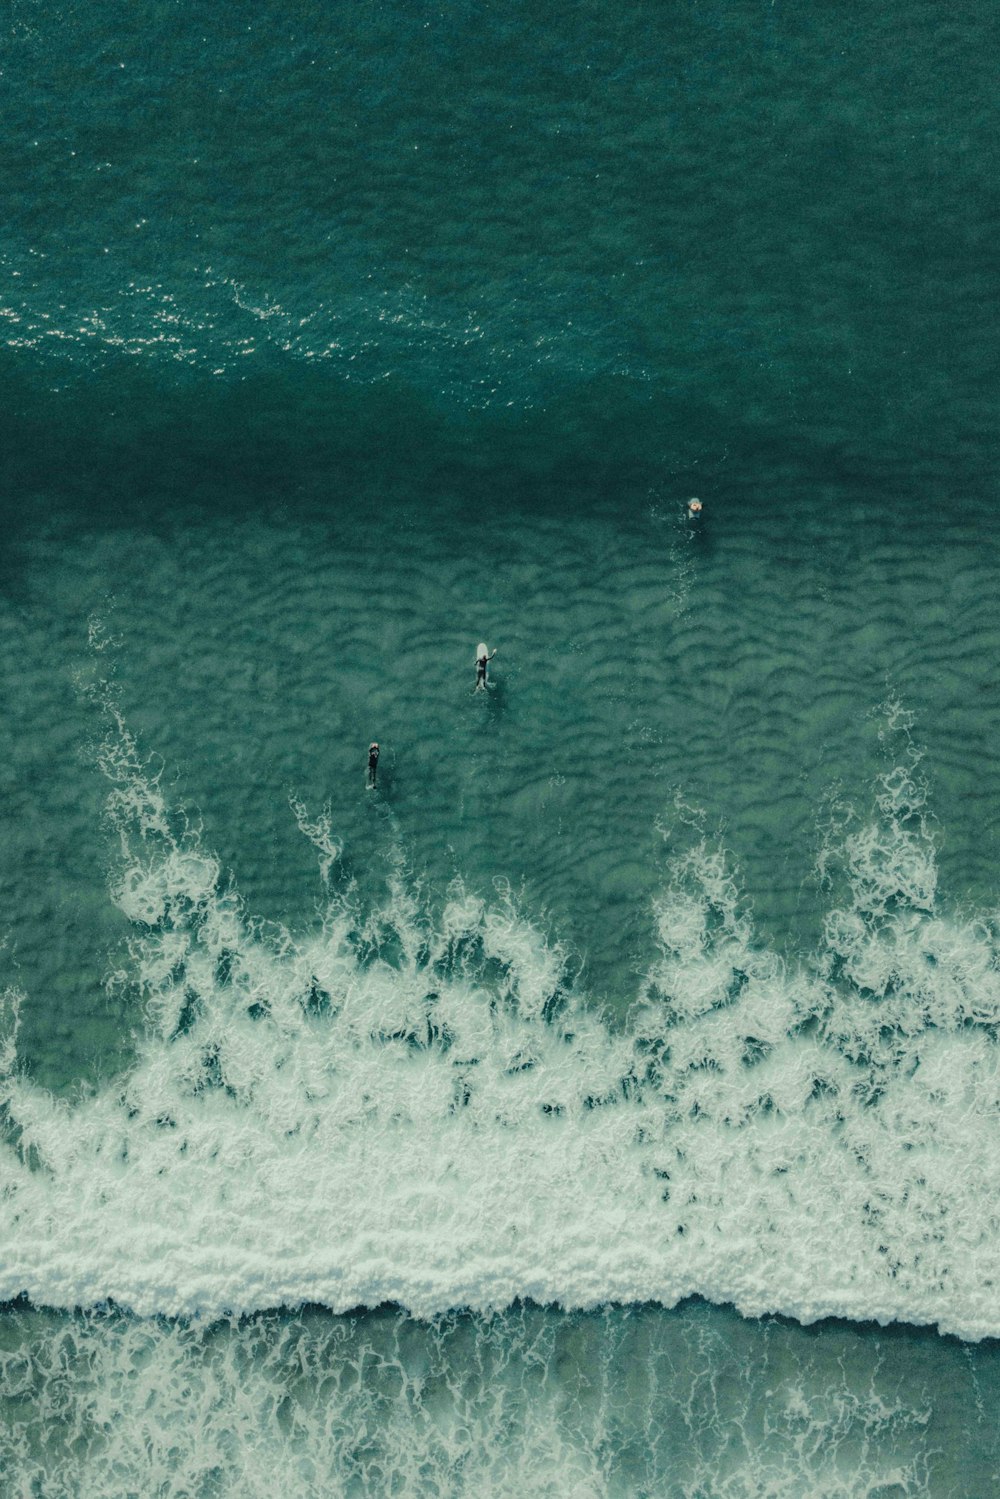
418, 1107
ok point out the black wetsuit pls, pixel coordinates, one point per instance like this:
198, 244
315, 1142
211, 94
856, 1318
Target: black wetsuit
372, 764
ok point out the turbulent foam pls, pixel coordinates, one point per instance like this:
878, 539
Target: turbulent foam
529, 1403
418, 1108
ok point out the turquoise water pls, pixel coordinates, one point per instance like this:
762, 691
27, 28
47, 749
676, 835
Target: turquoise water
608, 1104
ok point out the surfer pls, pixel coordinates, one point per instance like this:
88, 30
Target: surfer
483, 658
694, 507
372, 764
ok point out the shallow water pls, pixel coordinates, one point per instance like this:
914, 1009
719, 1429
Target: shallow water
636, 1402
332, 345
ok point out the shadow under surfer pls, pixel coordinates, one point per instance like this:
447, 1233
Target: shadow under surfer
372, 764
483, 658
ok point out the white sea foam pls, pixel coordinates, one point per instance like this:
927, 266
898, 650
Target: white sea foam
319, 831
518, 1406
418, 1108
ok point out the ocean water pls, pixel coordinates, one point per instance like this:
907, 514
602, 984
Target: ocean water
607, 1104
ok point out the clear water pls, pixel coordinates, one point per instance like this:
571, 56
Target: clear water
608, 1104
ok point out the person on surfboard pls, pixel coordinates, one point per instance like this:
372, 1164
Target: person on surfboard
483, 658
372, 764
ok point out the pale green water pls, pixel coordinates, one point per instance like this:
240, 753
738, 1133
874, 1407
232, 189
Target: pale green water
737, 665
638, 1402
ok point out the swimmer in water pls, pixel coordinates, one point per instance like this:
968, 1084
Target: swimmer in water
483, 658
372, 764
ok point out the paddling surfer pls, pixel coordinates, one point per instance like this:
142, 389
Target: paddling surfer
372, 764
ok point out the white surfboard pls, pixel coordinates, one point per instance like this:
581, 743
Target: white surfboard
482, 649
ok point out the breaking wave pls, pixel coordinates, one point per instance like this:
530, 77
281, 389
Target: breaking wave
418, 1106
